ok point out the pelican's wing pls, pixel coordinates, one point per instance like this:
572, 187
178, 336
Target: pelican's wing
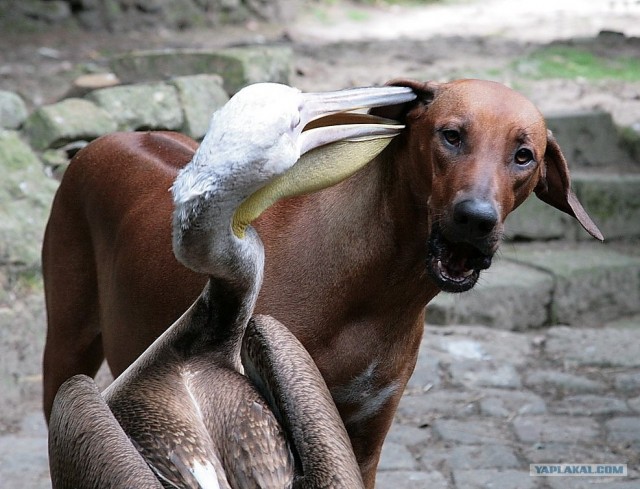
284, 372
257, 448
165, 424
87, 446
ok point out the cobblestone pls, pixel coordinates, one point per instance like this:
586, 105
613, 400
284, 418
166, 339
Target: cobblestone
473, 431
407, 479
624, 429
588, 405
627, 381
553, 380
426, 374
542, 429
493, 479
578, 402
423, 409
396, 456
501, 403
602, 347
472, 373
571, 452
567, 483
468, 457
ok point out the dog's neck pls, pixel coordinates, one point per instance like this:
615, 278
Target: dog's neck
375, 227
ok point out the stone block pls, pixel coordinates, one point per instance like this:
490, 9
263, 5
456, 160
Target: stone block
52, 11
23, 462
508, 296
594, 347
556, 429
396, 456
145, 106
478, 431
624, 429
589, 405
22, 333
410, 479
592, 482
455, 343
506, 404
456, 348
420, 410
553, 381
470, 457
474, 373
588, 281
410, 436
569, 452
535, 220
426, 373
25, 197
587, 138
85, 84
13, 111
238, 67
492, 478
612, 201
627, 381
73, 119
200, 96
630, 141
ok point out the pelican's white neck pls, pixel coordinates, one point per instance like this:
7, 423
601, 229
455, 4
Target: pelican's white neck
206, 194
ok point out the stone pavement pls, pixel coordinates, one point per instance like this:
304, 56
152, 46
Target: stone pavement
482, 405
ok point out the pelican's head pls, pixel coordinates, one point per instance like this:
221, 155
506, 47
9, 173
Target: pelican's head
272, 141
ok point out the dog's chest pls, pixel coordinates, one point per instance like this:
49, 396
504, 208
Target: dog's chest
365, 395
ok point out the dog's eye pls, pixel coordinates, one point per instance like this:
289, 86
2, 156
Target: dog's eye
523, 156
452, 137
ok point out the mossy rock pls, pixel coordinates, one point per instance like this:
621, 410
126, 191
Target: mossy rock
237, 66
25, 197
73, 119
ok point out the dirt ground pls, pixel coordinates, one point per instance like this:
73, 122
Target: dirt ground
339, 44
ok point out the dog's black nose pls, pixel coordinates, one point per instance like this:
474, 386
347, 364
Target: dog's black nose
474, 218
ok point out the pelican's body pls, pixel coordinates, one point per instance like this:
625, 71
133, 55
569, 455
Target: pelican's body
185, 404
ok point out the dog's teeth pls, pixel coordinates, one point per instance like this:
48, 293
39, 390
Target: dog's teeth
468, 273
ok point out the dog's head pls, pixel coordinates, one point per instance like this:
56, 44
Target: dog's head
479, 149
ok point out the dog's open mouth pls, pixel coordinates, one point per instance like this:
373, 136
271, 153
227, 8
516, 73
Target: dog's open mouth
454, 267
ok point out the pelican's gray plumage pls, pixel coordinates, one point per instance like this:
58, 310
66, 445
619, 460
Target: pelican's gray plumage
185, 404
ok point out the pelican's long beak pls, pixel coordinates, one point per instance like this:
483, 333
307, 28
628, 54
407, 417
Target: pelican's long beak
320, 114
333, 145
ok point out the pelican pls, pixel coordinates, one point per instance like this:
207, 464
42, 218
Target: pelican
223, 399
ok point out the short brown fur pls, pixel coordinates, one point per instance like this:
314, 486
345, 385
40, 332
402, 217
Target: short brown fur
346, 268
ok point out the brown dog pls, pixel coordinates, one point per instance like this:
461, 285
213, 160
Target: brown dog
348, 269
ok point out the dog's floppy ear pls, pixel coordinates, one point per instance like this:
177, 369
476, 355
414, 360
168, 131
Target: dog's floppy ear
425, 91
554, 187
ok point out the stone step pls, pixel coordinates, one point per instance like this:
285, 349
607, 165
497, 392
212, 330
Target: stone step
612, 201
588, 138
534, 285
